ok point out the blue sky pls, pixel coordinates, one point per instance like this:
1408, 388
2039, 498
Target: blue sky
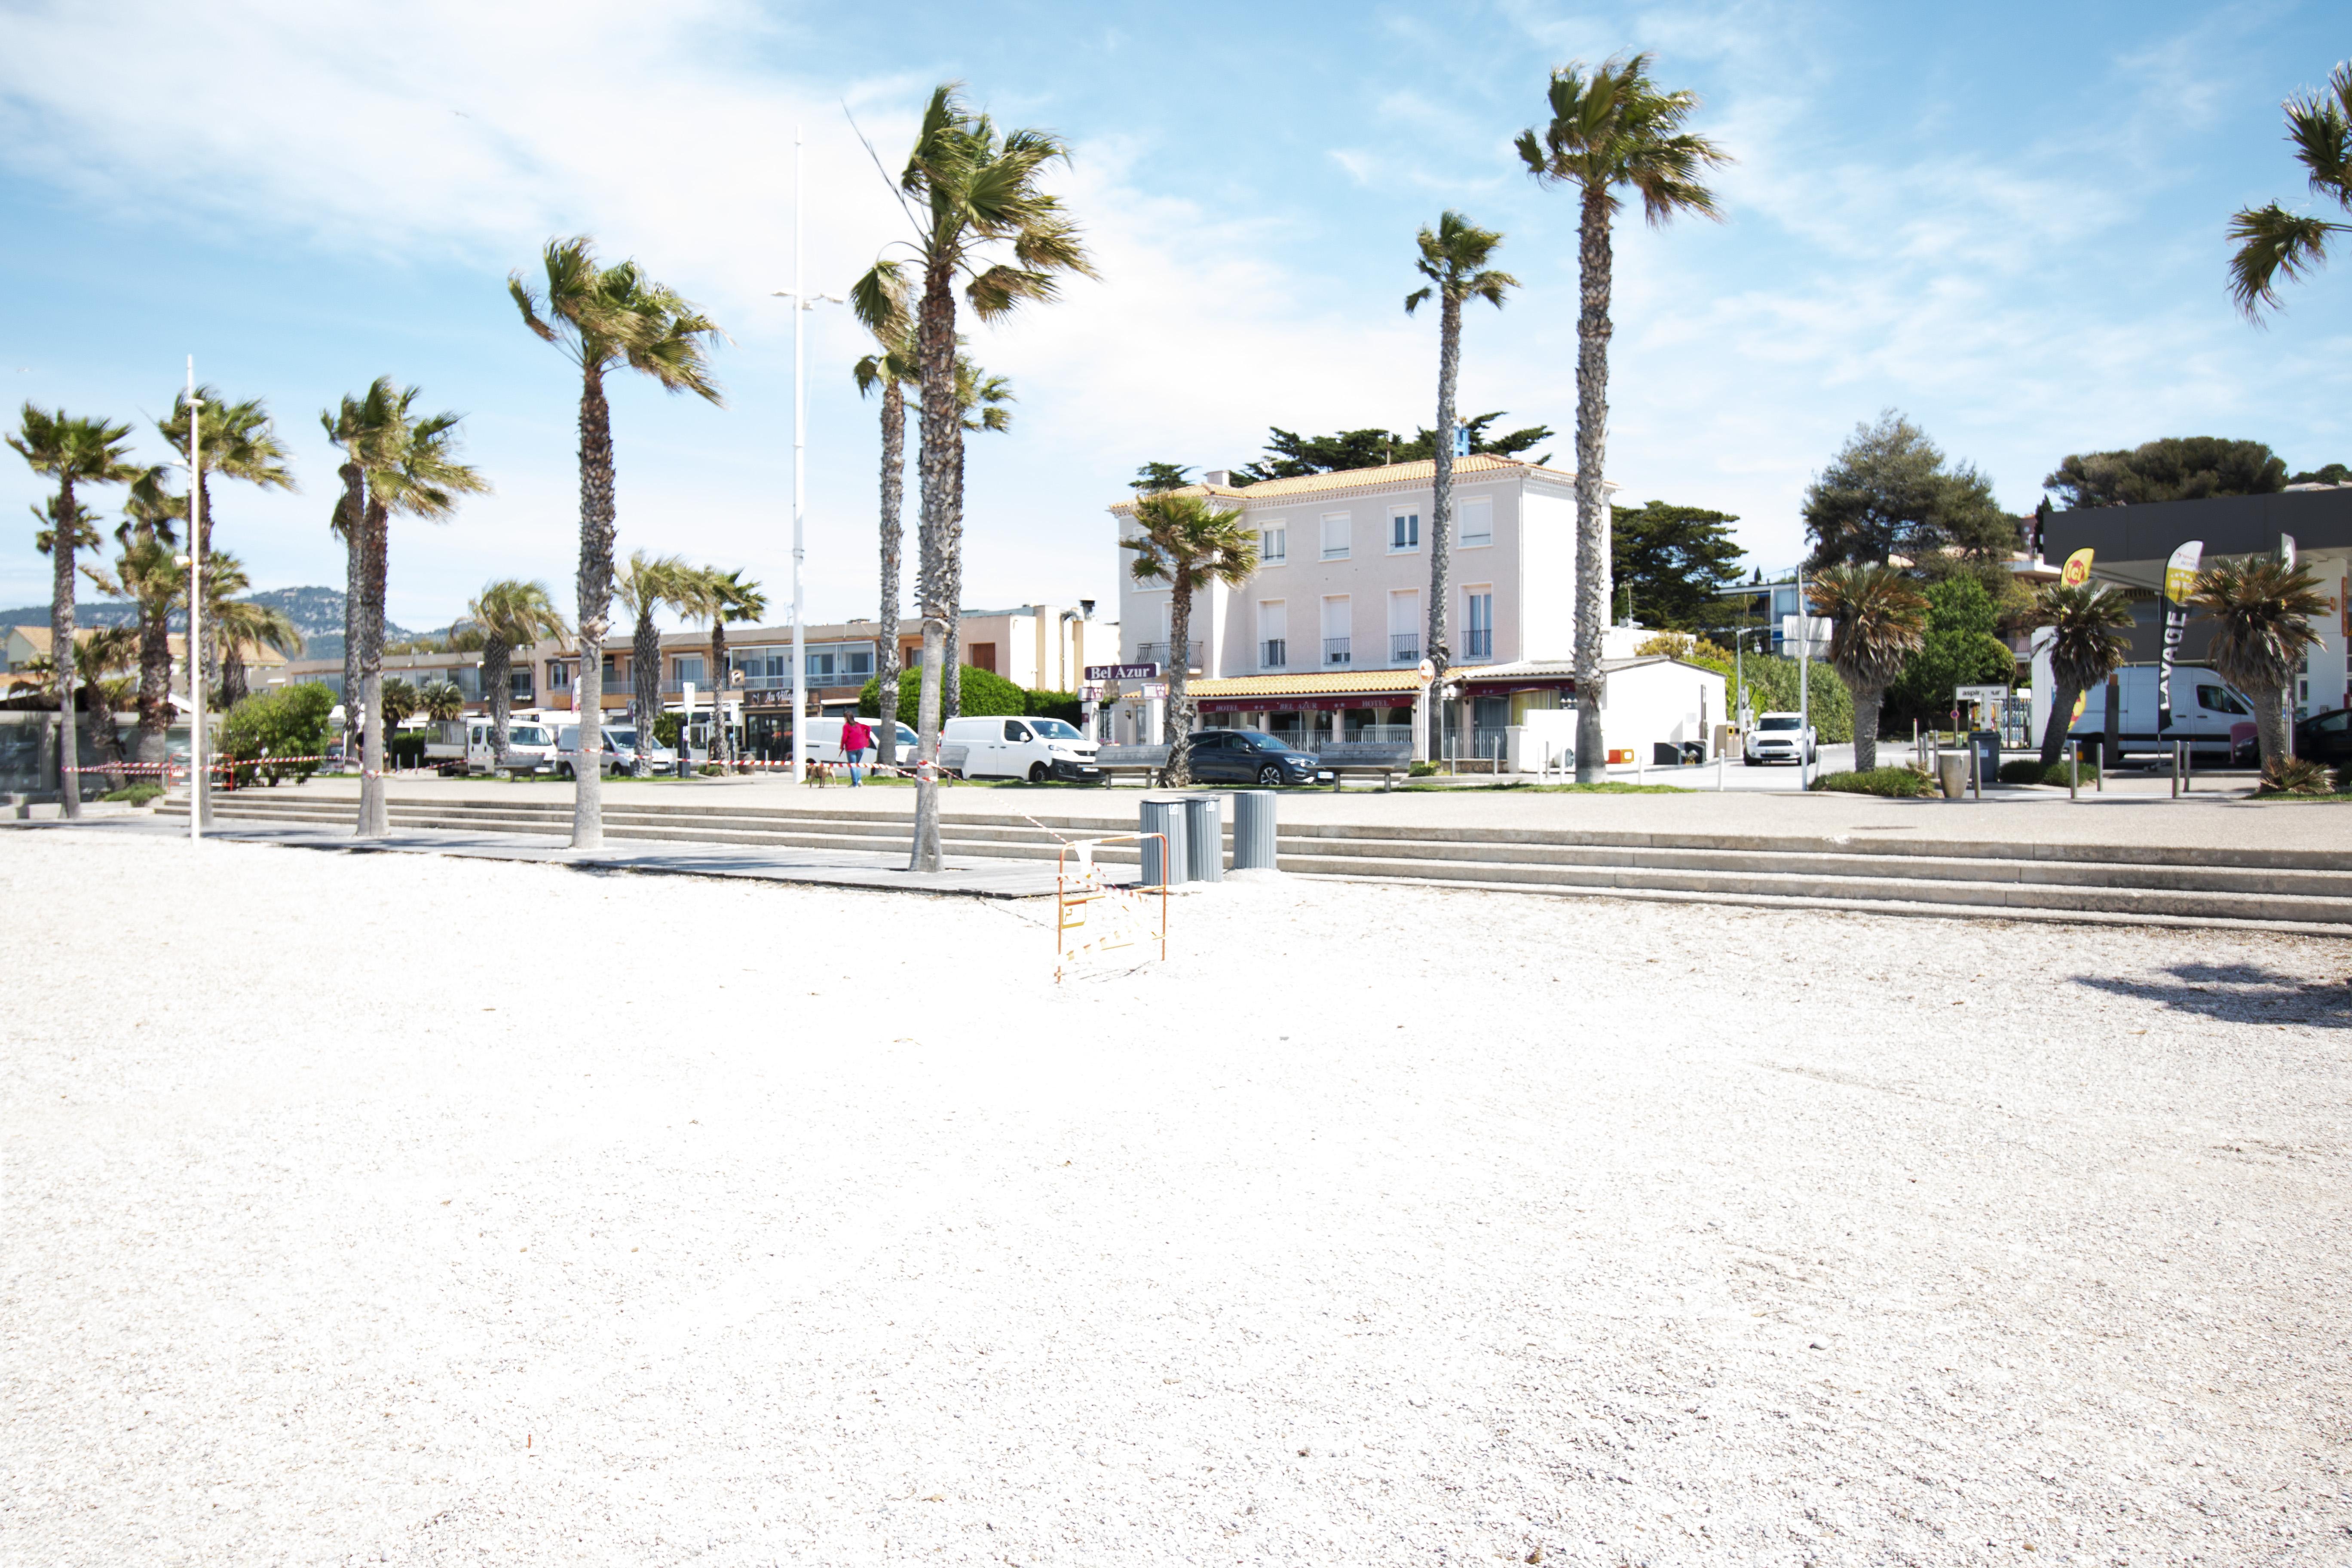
2006, 220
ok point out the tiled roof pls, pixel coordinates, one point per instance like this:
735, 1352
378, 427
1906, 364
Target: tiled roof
1392, 476
1335, 683
38, 637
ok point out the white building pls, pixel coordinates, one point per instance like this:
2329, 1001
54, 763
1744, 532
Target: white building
1325, 642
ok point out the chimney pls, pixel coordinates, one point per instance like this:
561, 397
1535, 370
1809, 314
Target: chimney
1222, 477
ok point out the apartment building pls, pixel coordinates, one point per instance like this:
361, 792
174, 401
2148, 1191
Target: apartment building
1325, 641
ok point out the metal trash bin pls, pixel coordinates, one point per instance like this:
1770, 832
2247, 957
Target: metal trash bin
1163, 815
1204, 837
1254, 829
1986, 743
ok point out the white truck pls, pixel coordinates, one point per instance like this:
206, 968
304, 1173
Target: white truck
2207, 713
463, 746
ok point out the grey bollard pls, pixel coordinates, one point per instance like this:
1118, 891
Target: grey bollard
1163, 817
1254, 829
1204, 837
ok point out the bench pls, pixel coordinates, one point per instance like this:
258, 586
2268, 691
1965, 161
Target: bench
1366, 757
1145, 760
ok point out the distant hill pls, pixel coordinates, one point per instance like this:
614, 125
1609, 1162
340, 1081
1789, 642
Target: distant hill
317, 613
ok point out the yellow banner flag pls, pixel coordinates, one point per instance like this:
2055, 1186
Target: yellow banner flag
2180, 572
2078, 570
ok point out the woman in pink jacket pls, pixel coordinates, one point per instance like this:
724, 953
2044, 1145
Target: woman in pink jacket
855, 738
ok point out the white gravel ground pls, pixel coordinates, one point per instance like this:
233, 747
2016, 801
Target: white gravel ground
1379, 1225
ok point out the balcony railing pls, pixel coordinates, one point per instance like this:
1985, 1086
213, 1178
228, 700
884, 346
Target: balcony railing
1160, 653
1479, 643
1336, 650
1404, 648
1274, 654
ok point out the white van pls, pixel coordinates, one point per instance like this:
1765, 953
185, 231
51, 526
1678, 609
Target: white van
825, 741
2205, 709
1032, 749
530, 748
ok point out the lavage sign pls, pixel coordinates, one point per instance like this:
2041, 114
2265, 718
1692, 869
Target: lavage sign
2180, 582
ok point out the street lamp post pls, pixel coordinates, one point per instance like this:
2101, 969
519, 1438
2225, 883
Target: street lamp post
198, 797
800, 302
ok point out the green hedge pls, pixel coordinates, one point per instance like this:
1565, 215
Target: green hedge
134, 794
985, 695
406, 748
1900, 783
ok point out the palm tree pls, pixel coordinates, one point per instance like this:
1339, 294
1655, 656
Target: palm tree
399, 700
242, 626
103, 652
1453, 259
1182, 541
890, 369
2093, 625
644, 587
972, 193
2272, 241
441, 700
149, 575
72, 450
408, 465
721, 597
980, 397
349, 428
1881, 620
2261, 613
600, 317
1613, 128
238, 441
512, 614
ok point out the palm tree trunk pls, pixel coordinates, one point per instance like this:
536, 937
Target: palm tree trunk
376, 526
927, 856
1440, 511
596, 583
210, 660
951, 576
2061, 719
894, 500
154, 676
1592, 333
351, 513
2270, 724
1866, 700
1178, 773
65, 532
105, 739
233, 686
645, 684
497, 692
940, 472
722, 743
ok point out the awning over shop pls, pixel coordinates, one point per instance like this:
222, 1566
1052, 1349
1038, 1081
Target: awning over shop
1331, 689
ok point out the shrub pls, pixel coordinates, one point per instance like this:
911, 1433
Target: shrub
2296, 775
406, 748
289, 722
2030, 770
136, 795
1899, 783
666, 731
1421, 770
985, 695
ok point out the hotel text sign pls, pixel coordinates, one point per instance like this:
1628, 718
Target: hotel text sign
1122, 671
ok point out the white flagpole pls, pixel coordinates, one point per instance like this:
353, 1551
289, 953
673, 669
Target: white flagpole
198, 797
800, 476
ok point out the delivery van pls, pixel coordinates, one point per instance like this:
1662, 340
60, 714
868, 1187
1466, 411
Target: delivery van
825, 740
2205, 710
1032, 749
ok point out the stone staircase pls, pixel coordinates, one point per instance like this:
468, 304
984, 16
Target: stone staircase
2271, 889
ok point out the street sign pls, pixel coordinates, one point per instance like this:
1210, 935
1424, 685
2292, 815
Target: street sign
1122, 672
1979, 693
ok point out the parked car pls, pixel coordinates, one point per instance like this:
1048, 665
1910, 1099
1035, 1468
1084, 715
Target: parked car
2325, 737
1032, 749
619, 755
1253, 757
1778, 738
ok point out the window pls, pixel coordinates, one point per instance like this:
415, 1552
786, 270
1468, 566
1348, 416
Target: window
610, 666
1478, 623
1273, 545
690, 669
518, 684
1272, 634
559, 674
1337, 526
1404, 531
1338, 627
1477, 521
1404, 626
2219, 700
1014, 732
820, 664
982, 656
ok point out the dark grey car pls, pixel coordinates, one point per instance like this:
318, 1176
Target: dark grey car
1249, 757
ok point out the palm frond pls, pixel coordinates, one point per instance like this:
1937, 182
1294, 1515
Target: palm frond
2274, 243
